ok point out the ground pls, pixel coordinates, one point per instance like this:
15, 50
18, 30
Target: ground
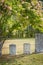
33, 59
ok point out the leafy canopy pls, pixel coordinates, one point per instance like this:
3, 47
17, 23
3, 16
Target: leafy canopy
17, 15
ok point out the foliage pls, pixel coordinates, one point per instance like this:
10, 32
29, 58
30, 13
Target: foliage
17, 15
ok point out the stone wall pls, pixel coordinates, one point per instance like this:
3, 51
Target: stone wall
19, 45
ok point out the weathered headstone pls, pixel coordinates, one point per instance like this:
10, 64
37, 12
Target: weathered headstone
39, 42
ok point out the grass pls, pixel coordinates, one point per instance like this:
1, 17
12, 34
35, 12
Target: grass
34, 59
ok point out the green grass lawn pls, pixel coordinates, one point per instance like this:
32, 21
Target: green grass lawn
34, 59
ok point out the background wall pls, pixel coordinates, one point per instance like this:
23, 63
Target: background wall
19, 45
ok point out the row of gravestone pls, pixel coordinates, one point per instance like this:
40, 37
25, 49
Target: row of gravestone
38, 42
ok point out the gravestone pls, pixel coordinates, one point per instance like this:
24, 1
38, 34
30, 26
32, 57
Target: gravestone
26, 48
39, 42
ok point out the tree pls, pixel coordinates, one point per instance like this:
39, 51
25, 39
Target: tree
17, 15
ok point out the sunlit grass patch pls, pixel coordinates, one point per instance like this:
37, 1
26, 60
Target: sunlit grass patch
33, 59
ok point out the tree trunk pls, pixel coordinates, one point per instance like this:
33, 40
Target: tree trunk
1, 45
